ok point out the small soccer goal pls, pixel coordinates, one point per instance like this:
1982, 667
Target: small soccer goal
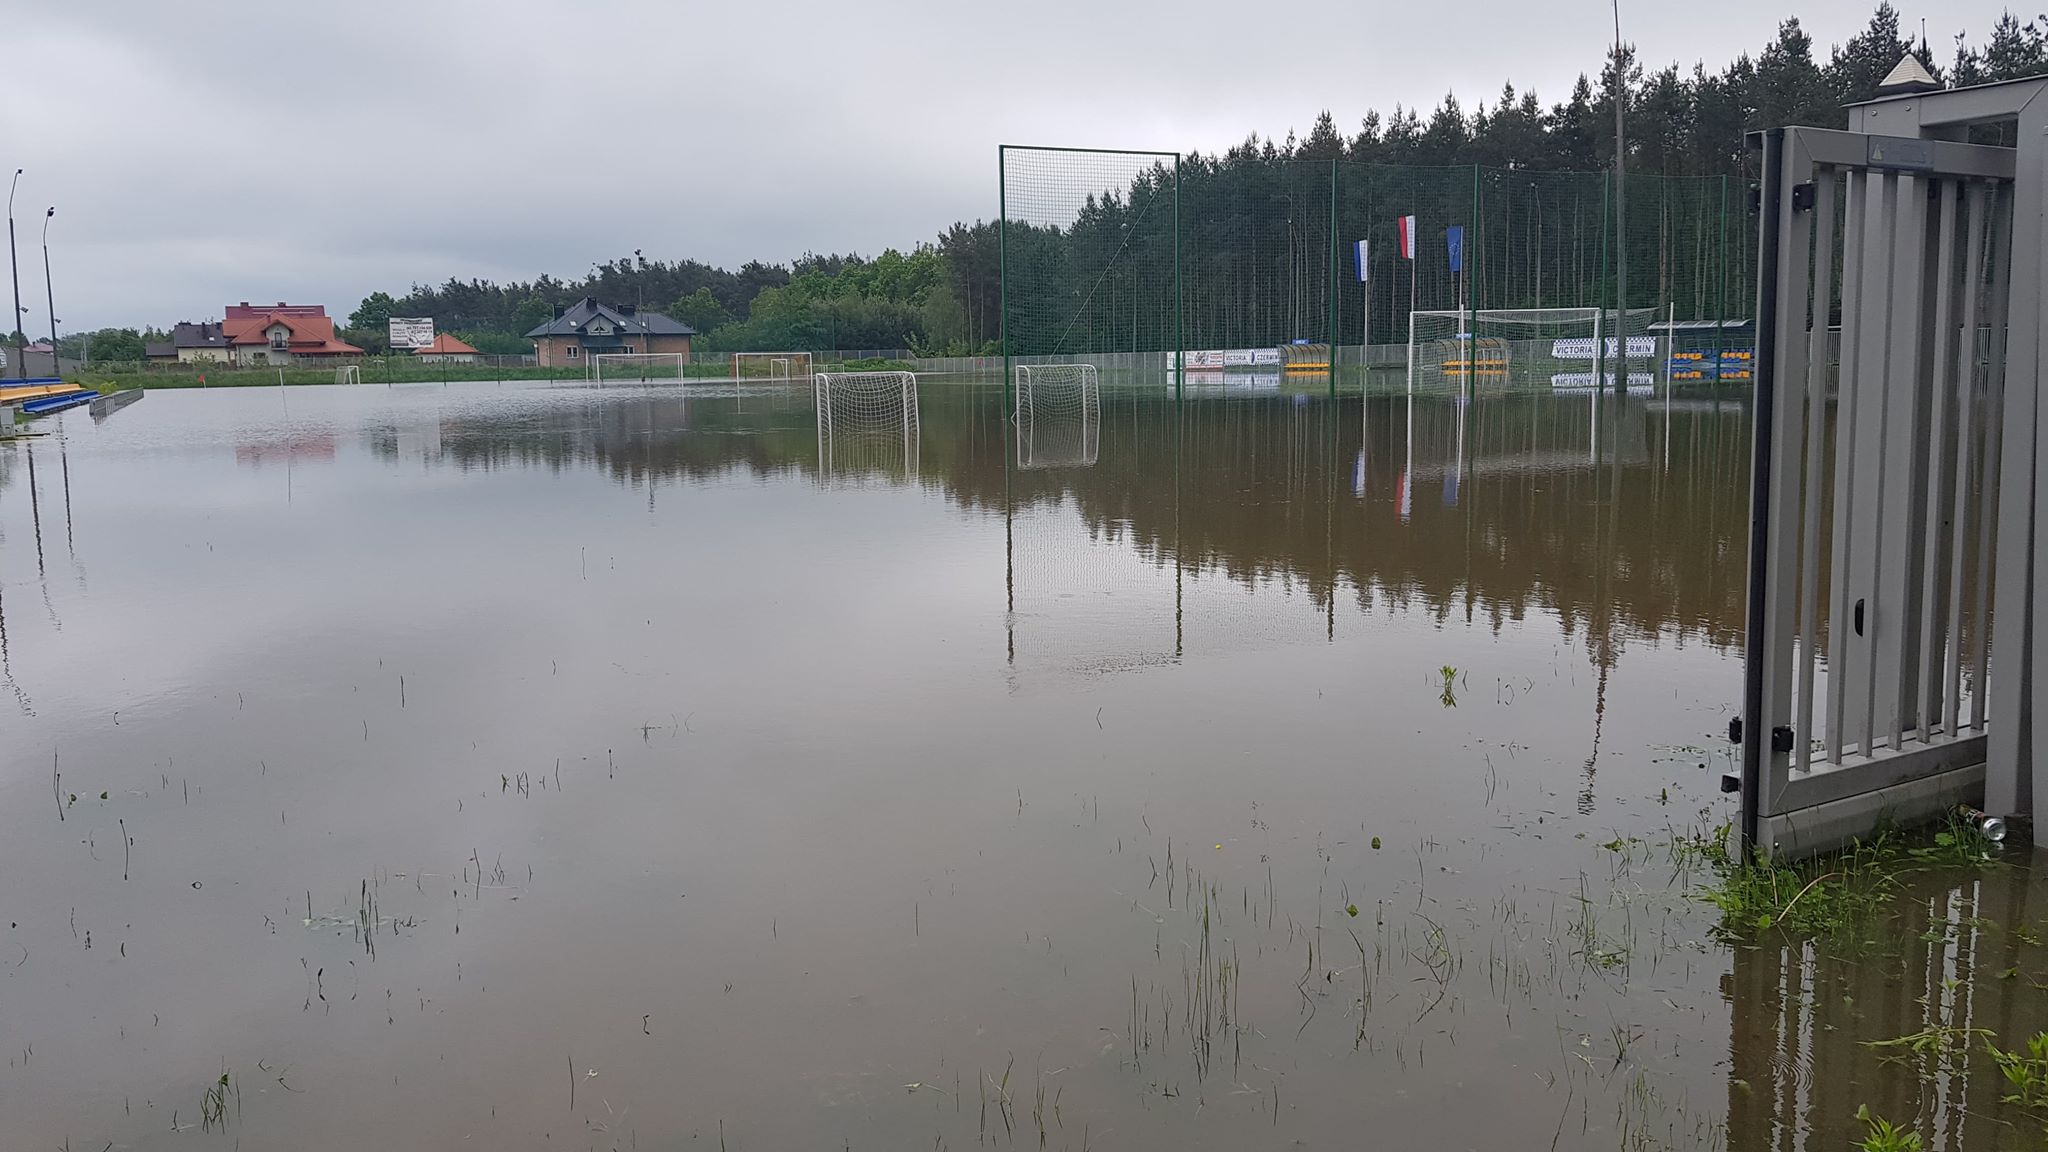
1058, 415
348, 374
635, 367
868, 425
772, 367
1500, 348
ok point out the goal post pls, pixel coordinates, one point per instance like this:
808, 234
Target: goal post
623, 367
1527, 347
1058, 415
867, 422
774, 367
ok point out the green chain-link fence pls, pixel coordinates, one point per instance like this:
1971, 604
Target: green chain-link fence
1131, 259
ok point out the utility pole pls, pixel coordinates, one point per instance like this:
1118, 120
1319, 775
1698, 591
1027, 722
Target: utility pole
20, 340
49, 294
1620, 212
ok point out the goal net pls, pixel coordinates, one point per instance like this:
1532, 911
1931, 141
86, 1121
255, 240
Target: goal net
632, 367
1494, 349
867, 425
775, 367
1059, 415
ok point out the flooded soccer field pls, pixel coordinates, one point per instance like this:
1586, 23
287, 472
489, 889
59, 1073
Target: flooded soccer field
533, 766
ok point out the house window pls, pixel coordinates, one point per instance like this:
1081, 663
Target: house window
572, 351
627, 348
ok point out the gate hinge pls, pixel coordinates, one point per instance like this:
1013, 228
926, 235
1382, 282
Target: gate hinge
1781, 736
1802, 197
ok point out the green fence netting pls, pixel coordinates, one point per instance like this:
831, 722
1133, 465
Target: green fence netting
1127, 258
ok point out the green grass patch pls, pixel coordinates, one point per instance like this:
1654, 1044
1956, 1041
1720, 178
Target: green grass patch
1846, 896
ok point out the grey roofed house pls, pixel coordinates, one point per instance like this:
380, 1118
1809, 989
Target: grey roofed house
189, 335
624, 319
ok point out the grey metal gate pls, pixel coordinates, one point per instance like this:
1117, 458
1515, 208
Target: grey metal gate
1885, 495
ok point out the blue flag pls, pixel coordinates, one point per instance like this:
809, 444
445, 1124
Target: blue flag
1454, 238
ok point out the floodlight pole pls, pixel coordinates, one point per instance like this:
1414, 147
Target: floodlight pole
1620, 213
14, 267
49, 294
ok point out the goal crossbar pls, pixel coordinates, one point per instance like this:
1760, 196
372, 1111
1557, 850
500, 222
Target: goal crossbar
637, 365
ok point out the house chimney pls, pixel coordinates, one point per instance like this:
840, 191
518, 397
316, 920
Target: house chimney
560, 311
628, 309
282, 304
244, 304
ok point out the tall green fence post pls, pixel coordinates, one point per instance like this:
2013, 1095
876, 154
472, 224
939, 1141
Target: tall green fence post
1600, 344
1180, 344
1333, 278
1003, 273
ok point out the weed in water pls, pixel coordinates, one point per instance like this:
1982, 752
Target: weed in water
2026, 1072
1450, 694
1883, 1135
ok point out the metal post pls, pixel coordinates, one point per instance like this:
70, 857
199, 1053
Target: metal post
14, 267
1333, 278
1620, 212
1721, 282
1002, 274
1599, 343
1755, 740
49, 295
1179, 319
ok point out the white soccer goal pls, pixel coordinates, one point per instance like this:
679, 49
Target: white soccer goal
348, 374
867, 425
1499, 348
1058, 415
633, 367
774, 367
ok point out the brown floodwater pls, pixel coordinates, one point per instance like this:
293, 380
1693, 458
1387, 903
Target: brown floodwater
529, 766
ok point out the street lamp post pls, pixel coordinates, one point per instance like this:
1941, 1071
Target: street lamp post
14, 268
48, 293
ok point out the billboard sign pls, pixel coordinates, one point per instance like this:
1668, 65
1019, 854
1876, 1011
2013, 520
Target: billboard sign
412, 331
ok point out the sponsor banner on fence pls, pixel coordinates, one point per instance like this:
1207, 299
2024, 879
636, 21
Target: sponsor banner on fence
1211, 359
1581, 347
412, 331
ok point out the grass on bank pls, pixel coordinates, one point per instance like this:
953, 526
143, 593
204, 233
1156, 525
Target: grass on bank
1842, 895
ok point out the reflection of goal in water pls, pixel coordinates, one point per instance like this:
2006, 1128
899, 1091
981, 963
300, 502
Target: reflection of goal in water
867, 425
1059, 415
636, 367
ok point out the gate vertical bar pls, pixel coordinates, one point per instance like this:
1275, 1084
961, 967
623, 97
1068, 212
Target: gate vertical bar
1816, 445
2003, 207
2008, 786
1755, 657
1969, 426
1841, 649
1934, 588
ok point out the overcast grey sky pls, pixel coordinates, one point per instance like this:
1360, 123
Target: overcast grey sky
201, 153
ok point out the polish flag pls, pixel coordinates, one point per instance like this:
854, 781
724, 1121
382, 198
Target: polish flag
1405, 234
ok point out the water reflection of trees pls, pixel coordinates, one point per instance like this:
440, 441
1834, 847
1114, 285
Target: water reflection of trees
1618, 516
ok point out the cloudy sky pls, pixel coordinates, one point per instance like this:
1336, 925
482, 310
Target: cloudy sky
201, 153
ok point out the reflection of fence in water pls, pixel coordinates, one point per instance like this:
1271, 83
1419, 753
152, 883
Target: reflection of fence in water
1801, 1020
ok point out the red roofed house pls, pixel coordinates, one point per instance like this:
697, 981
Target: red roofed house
446, 349
281, 334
